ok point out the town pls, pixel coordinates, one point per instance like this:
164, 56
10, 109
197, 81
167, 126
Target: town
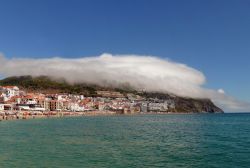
16, 103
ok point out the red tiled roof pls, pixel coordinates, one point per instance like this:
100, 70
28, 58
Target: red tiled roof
29, 97
9, 87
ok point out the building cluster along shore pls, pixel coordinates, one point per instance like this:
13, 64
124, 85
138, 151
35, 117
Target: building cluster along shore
18, 104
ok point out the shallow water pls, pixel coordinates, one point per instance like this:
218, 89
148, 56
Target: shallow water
191, 140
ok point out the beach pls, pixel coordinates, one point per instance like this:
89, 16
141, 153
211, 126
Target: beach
24, 115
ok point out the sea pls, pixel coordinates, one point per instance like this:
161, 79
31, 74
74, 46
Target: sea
124, 141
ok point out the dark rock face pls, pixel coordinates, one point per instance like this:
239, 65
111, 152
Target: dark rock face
45, 84
196, 105
187, 105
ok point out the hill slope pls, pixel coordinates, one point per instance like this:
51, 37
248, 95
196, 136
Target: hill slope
44, 84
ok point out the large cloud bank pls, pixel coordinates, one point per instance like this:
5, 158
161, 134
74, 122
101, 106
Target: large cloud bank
140, 72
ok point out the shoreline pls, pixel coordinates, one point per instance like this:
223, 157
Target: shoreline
27, 115
5, 116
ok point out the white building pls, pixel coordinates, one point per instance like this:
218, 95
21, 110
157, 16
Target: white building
31, 101
9, 91
76, 107
30, 107
1, 107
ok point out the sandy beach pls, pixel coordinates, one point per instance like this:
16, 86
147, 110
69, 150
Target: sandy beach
24, 115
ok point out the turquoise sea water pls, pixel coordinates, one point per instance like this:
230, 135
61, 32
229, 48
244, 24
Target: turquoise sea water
191, 140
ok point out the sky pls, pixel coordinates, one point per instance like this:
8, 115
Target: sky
210, 36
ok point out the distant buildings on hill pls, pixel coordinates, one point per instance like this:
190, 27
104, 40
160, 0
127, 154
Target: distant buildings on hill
12, 98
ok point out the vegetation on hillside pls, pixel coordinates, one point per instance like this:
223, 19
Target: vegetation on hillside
46, 84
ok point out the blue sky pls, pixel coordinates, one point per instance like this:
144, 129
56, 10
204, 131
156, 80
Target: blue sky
211, 36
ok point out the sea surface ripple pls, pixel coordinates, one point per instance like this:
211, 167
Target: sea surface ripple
178, 140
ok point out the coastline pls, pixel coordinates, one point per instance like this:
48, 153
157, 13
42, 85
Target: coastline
5, 116
26, 115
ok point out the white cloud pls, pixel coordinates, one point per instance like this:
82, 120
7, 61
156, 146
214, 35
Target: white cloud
141, 72
221, 91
